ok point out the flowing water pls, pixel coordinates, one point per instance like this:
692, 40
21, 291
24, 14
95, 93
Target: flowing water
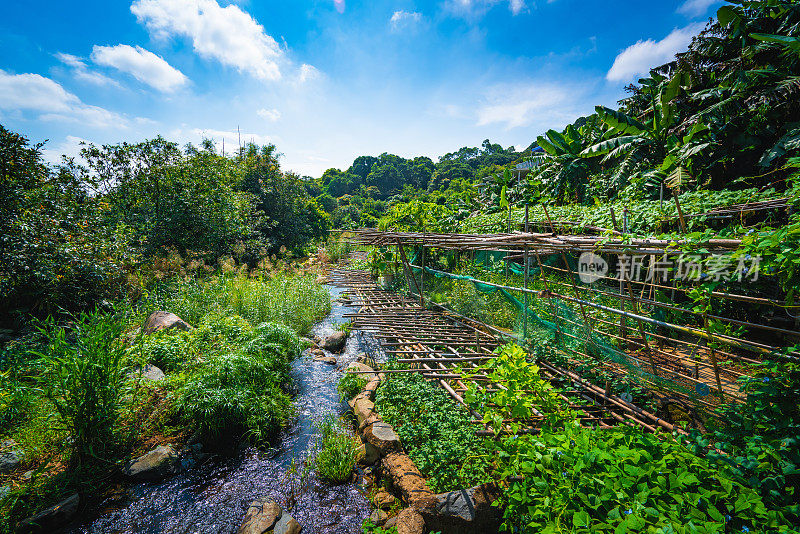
213, 496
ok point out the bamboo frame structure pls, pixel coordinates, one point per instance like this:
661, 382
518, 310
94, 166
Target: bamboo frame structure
706, 363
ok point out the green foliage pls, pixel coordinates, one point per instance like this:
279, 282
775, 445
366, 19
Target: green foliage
83, 378
350, 385
438, 434
621, 480
57, 250
523, 394
336, 451
758, 441
235, 379
293, 300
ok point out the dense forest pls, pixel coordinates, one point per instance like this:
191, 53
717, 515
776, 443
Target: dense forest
238, 248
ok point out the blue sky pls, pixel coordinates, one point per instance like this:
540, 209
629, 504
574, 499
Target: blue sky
325, 80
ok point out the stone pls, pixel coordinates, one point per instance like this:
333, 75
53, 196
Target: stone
468, 511
267, 517
26, 476
378, 517
11, 456
335, 342
384, 500
51, 518
4, 491
383, 437
156, 464
406, 478
162, 320
391, 522
149, 373
409, 521
363, 408
325, 359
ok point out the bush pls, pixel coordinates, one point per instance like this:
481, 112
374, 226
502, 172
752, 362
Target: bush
437, 433
336, 451
239, 385
83, 377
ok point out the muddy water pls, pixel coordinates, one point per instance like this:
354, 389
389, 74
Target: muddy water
212, 496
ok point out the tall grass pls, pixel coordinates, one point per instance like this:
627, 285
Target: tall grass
336, 451
83, 378
296, 301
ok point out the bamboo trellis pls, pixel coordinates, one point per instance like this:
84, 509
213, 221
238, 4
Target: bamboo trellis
690, 356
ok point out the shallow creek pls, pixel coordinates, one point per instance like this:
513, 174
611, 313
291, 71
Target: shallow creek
212, 496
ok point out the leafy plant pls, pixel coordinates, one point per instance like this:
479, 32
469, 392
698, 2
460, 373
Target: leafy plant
621, 480
350, 385
83, 377
437, 433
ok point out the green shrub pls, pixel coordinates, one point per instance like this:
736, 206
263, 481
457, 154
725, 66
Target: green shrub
83, 377
336, 451
437, 433
350, 385
238, 384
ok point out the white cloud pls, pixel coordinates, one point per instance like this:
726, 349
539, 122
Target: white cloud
639, 58
70, 147
142, 64
35, 93
521, 105
81, 72
231, 139
271, 115
307, 72
478, 8
695, 8
404, 19
70, 60
339, 5
226, 34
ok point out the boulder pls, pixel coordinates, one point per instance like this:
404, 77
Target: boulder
11, 456
50, 519
161, 320
267, 517
335, 342
409, 521
383, 437
368, 455
378, 517
4, 491
384, 500
149, 373
363, 408
467, 511
156, 464
406, 478
325, 359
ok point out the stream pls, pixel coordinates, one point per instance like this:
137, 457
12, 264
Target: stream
213, 496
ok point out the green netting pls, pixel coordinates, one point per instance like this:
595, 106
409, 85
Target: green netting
569, 332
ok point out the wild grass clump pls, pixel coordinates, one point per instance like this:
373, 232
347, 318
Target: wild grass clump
336, 451
296, 301
350, 385
83, 378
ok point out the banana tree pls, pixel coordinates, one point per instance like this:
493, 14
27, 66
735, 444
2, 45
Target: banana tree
562, 169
